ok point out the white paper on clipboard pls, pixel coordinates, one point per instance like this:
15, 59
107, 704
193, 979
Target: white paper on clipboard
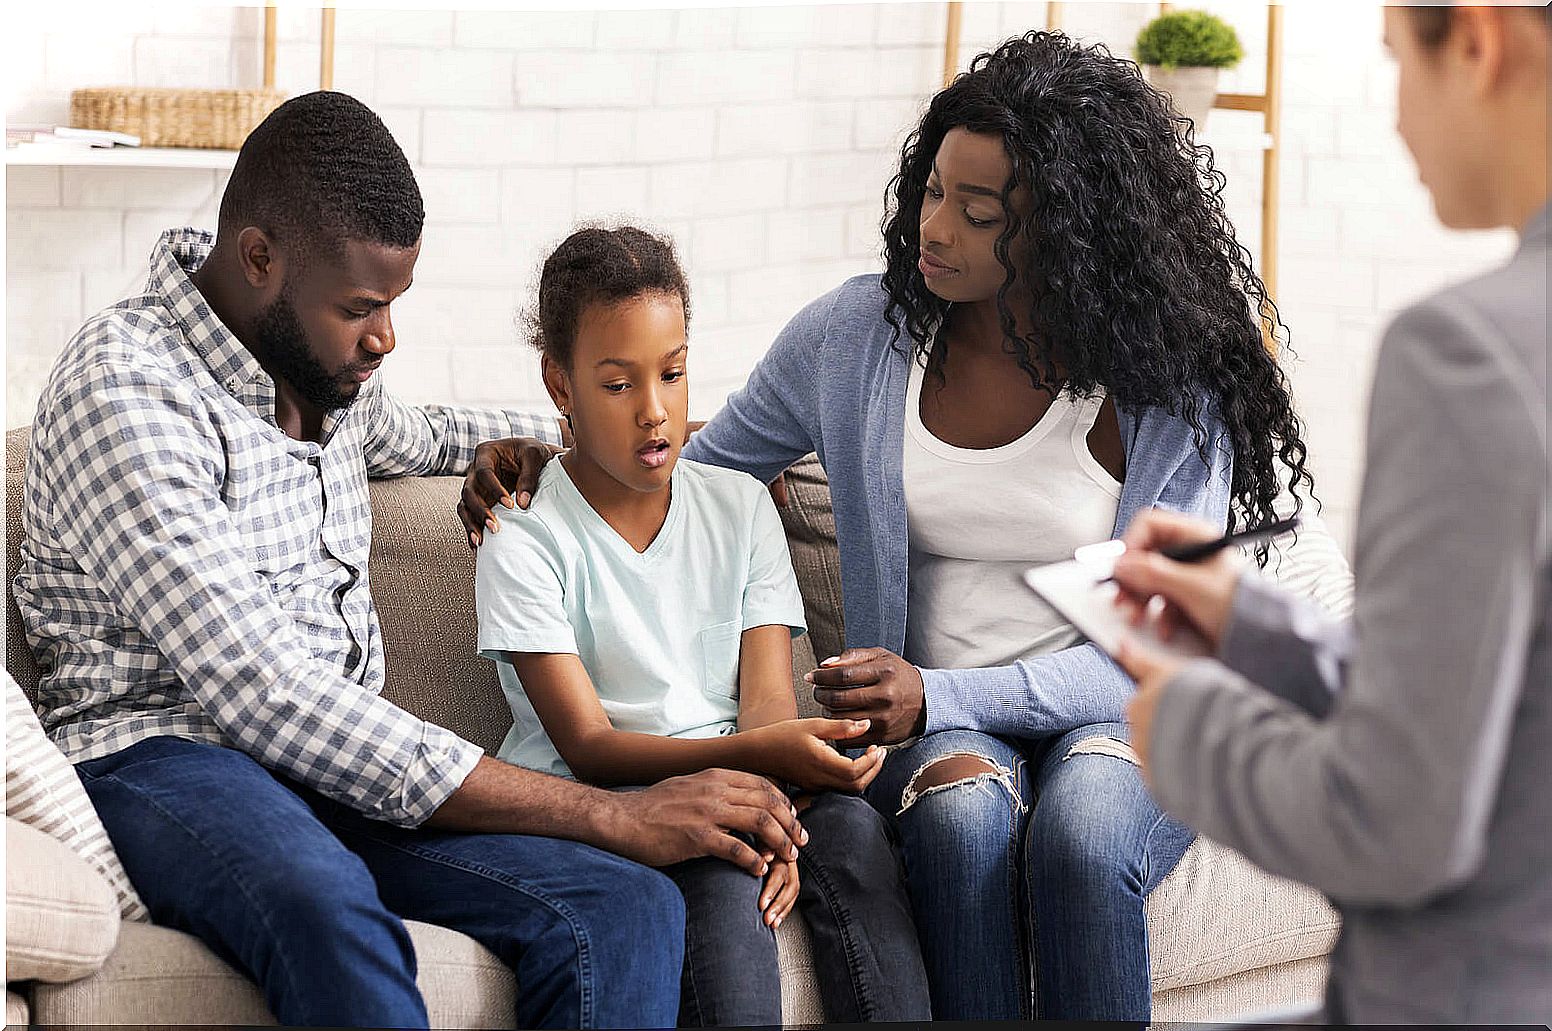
1075, 590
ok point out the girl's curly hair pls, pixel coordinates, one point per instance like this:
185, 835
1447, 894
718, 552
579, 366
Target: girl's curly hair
1137, 280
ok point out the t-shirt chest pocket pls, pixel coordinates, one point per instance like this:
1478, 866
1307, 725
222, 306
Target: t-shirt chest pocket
718, 646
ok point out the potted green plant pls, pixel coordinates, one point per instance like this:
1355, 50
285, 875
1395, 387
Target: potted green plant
1182, 53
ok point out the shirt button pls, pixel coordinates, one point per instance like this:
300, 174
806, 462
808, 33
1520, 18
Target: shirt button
232, 383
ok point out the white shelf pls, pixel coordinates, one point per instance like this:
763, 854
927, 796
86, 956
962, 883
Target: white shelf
120, 157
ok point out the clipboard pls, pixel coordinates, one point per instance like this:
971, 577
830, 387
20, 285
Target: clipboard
1077, 589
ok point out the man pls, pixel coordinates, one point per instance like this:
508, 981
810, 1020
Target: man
1401, 764
194, 581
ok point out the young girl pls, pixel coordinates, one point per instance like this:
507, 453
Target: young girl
641, 613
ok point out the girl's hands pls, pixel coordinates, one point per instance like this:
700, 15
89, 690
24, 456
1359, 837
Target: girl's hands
780, 892
796, 751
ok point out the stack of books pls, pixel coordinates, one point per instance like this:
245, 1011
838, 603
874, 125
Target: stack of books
64, 136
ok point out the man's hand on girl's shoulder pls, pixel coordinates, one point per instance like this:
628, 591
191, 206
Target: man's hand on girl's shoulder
504, 472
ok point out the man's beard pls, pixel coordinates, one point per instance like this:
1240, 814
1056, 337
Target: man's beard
282, 350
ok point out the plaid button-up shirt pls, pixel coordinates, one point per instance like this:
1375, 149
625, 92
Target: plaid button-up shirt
189, 570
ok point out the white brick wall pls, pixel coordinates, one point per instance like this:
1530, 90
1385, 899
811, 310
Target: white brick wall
761, 137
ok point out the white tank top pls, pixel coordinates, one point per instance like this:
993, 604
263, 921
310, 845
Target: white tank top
978, 518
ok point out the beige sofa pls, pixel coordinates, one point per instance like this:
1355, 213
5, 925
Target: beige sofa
1225, 938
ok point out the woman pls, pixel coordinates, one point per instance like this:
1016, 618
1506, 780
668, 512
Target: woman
1066, 333
1401, 764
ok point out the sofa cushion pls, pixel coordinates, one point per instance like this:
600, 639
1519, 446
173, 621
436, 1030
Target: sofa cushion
1311, 563
810, 526
43, 791
1218, 914
422, 577
1284, 989
161, 976
16, 1011
61, 918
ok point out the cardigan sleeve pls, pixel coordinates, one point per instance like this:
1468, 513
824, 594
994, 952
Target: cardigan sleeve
773, 420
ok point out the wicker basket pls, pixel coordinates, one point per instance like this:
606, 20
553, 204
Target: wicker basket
218, 119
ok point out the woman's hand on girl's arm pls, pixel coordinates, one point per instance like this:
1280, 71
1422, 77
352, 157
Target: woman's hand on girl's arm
873, 684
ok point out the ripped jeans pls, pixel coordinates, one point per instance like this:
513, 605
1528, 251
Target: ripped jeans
1043, 862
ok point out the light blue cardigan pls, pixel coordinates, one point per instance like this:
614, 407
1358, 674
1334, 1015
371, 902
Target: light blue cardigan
834, 383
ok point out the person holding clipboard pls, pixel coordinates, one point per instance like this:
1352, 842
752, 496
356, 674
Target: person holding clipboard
1401, 764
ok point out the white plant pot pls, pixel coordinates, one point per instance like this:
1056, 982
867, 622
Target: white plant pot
1192, 90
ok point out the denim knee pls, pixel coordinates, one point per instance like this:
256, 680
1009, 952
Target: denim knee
645, 906
1093, 821
845, 826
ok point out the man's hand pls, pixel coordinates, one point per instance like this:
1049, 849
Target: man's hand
1152, 670
796, 751
872, 684
701, 815
511, 464
1197, 595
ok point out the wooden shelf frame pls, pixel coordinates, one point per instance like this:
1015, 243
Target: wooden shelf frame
1267, 103
325, 46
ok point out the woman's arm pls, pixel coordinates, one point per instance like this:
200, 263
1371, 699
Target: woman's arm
773, 420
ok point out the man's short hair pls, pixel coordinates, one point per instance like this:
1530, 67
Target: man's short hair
320, 170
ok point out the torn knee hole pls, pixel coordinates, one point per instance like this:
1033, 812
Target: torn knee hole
961, 769
951, 768
1113, 747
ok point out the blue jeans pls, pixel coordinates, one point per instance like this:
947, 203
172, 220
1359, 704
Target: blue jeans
1043, 863
851, 893
308, 897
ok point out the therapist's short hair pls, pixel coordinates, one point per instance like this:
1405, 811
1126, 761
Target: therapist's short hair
597, 265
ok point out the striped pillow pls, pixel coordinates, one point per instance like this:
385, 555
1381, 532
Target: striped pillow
1312, 565
42, 790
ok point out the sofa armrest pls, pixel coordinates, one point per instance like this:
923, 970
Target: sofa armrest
61, 916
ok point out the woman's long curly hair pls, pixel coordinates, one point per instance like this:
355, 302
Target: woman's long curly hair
1136, 281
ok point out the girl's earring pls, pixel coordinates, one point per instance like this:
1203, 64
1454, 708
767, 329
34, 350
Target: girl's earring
564, 414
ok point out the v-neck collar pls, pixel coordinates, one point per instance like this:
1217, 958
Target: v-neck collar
659, 541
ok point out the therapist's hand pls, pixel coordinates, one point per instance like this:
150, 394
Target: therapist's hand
1197, 595
504, 472
873, 684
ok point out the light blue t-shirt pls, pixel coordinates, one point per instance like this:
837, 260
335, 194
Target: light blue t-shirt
657, 631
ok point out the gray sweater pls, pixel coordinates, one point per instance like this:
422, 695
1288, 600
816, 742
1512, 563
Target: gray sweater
1402, 763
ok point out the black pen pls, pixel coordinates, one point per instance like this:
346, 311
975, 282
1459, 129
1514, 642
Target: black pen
1206, 549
